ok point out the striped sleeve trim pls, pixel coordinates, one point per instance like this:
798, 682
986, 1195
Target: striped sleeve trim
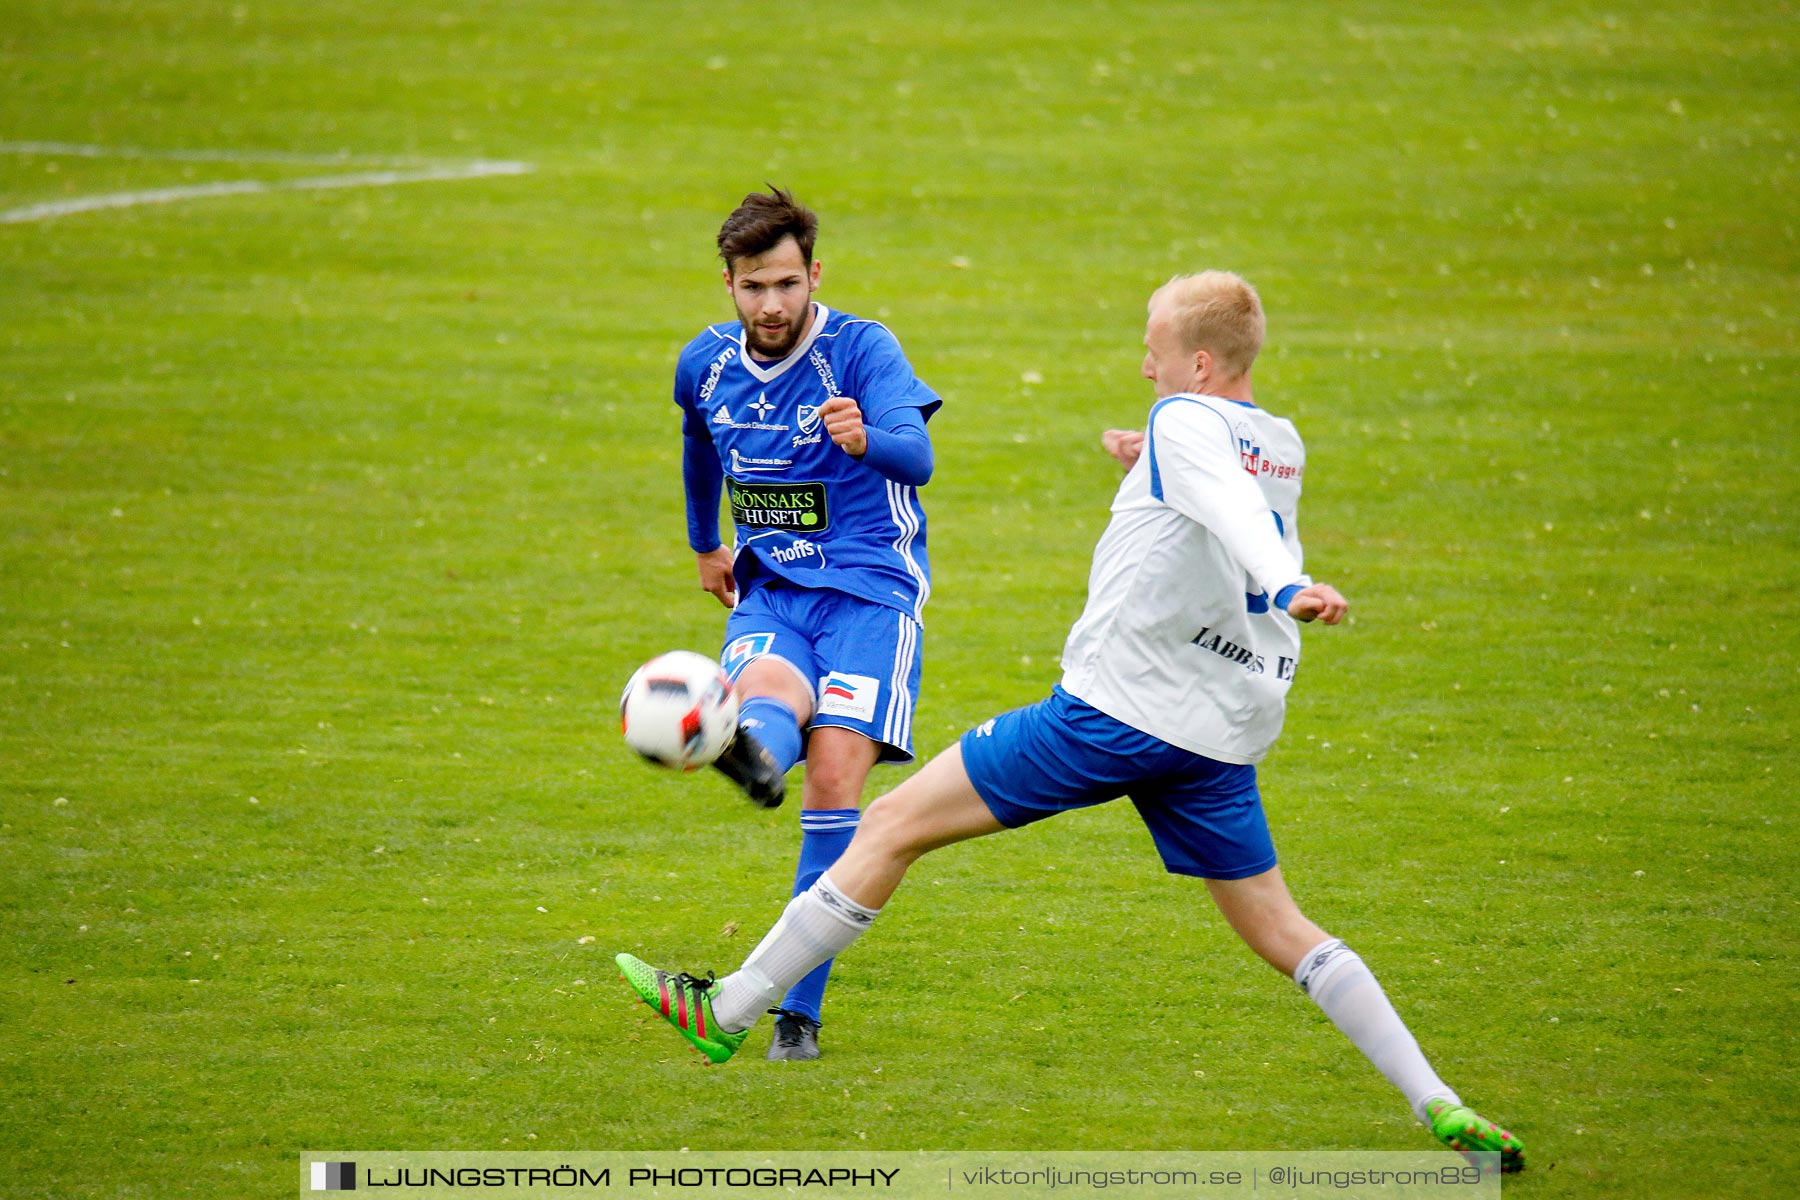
903, 507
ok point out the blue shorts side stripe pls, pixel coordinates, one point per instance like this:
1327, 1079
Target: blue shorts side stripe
898, 729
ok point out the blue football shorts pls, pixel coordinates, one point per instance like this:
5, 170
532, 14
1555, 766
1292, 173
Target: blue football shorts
1205, 816
860, 659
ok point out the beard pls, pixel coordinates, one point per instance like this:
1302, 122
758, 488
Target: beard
773, 343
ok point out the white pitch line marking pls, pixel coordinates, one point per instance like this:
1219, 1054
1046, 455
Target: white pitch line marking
413, 173
340, 158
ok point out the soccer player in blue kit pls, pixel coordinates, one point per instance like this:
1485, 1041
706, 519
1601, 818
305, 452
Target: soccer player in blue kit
812, 424
1174, 686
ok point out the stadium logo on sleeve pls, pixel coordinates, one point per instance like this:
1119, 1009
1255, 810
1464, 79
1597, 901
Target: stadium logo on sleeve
745, 650
715, 369
334, 1177
852, 696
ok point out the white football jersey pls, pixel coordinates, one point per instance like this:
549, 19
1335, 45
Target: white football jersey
1181, 637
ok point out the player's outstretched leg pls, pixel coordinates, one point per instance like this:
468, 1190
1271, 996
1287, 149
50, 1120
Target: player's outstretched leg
684, 1002
747, 764
934, 808
1261, 910
1462, 1128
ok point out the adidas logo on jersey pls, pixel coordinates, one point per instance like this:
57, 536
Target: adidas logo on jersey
722, 417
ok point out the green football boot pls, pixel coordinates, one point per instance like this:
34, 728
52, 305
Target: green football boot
684, 1002
1462, 1128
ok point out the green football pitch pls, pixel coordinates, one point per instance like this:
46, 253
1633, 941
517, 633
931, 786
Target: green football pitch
339, 495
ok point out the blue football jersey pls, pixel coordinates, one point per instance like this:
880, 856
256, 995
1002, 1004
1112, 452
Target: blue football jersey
804, 509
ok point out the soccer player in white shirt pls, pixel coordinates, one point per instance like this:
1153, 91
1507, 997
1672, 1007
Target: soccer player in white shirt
1174, 682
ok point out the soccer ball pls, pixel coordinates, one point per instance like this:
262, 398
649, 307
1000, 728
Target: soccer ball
679, 710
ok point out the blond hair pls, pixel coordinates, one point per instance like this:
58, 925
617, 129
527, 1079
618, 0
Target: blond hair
1215, 311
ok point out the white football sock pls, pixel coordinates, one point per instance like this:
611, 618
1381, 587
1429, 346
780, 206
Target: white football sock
817, 924
1338, 982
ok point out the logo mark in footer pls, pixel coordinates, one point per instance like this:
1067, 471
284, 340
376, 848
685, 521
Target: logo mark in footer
333, 1177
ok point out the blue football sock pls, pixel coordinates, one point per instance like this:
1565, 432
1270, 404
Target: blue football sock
774, 725
824, 834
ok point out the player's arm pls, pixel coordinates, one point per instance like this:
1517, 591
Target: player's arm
1200, 475
896, 445
882, 420
703, 480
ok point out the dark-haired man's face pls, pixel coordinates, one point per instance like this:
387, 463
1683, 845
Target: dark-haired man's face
773, 295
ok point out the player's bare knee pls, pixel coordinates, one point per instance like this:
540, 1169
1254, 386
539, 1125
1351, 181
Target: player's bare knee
833, 783
888, 829
829, 793
880, 821
775, 679
838, 762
